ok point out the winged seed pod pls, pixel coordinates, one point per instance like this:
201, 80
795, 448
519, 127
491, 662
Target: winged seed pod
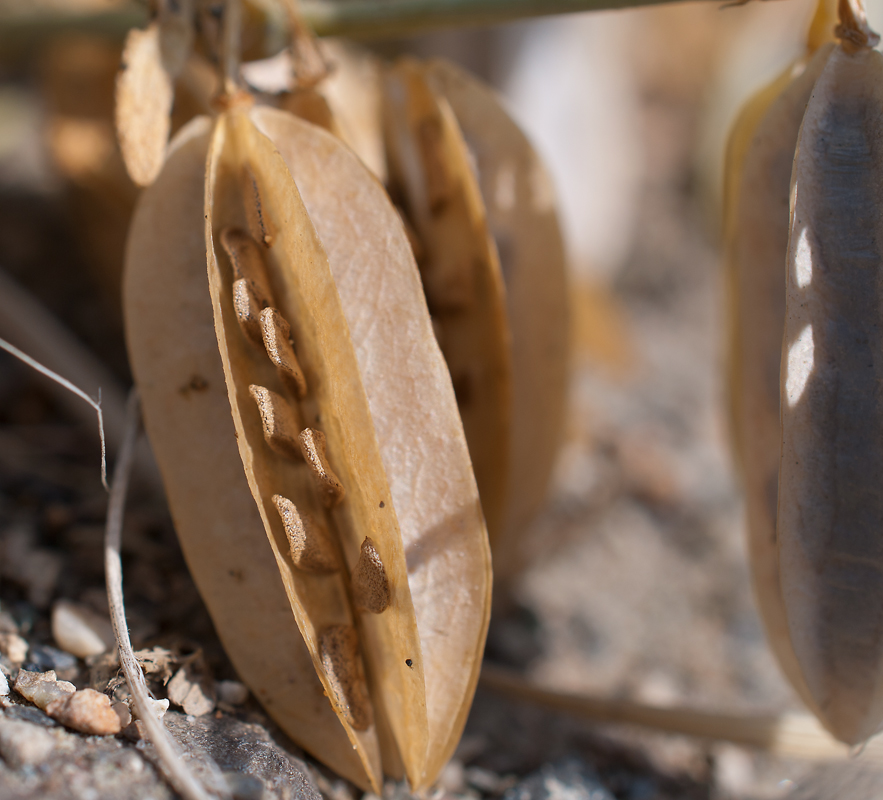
382, 448
520, 205
760, 154
830, 507
429, 168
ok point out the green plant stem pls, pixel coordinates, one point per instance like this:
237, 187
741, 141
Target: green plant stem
387, 18
358, 18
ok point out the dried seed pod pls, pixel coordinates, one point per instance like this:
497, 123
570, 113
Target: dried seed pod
756, 222
830, 507
306, 296
278, 420
370, 584
308, 538
520, 203
429, 166
389, 415
173, 349
416, 421
277, 339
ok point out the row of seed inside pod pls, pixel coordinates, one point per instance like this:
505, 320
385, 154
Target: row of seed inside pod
311, 546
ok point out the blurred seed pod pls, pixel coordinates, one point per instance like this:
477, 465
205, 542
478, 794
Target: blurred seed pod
520, 204
830, 508
430, 170
759, 159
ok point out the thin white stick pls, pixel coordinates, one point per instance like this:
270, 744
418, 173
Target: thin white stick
177, 772
791, 735
96, 404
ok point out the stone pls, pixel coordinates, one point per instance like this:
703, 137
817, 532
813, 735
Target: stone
79, 630
43, 657
4, 684
232, 693
86, 711
42, 688
13, 647
23, 744
570, 779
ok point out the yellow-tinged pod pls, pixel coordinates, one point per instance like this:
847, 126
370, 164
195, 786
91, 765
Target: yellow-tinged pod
520, 202
830, 508
429, 168
414, 412
759, 157
174, 356
355, 456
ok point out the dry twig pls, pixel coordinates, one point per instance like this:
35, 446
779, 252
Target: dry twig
791, 735
174, 768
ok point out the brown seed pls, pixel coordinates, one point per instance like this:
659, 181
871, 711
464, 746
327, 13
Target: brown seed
342, 661
279, 420
251, 287
308, 538
248, 310
247, 262
258, 223
370, 584
277, 339
312, 444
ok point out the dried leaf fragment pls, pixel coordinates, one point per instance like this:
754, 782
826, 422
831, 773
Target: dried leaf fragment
312, 444
277, 339
342, 662
310, 547
144, 94
371, 590
279, 421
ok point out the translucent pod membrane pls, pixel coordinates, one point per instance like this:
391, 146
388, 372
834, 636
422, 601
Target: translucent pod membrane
356, 467
519, 200
415, 417
830, 505
429, 169
756, 224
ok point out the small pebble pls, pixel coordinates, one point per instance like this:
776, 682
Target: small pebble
13, 647
43, 657
4, 685
79, 630
42, 688
23, 744
233, 693
86, 711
